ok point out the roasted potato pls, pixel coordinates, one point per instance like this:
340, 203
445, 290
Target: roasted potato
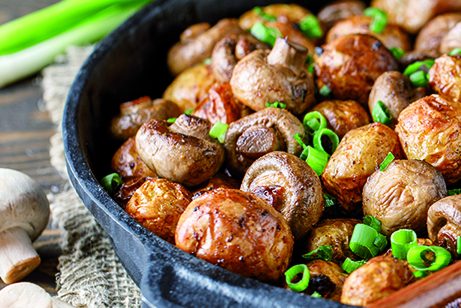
327, 278
430, 37
445, 77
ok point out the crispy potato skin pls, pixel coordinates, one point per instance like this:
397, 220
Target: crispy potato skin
350, 65
430, 37
401, 195
339, 10
445, 77
335, 233
378, 278
358, 155
157, 206
237, 231
429, 129
127, 163
343, 116
392, 36
190, 87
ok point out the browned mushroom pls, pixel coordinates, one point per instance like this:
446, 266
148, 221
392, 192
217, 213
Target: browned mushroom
358, 155
335, 233
339, 10
135, 113
291, 32
237, 231
400, 195
431, 36
451, 40
197, 44
445, 77
183, 152
288, 184
376, 279
343, 116
280, 77
157, 206
270, 129
429, 130
444, 223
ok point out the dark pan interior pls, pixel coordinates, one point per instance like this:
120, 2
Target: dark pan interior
128, 64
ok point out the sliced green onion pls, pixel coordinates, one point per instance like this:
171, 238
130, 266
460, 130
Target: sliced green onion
310, 64
111, 183
310, 27
398, 53
316, 159
207, 61
417, 66
389, 158
458, 245
325, 91
302, 140
420, 274
373, 222
218, 131
171, 120
277, 105
349, 266
265, 16
317, 140
316, 295
322, 253
314, 121
364, 243
188, 111
292, 272
416, 257
401, 241
381, 114
265, 34
455, 52
454, 192
329, 200
419, 79
379, 19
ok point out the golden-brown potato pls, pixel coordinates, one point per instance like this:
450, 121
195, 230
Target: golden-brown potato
197, 44
429, 130
157, 206
378, 278
127, 163
342, 116
339, 10
219, 180
220, 105
237, 231
358, 155
189, 87
445, 77
392, 35
335, 233
400, 195
431, 36
330, 271
350, 65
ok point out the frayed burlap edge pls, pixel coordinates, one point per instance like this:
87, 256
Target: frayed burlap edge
90, 274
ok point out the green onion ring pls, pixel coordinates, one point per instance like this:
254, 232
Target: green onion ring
292, 272
401, 241
416, 258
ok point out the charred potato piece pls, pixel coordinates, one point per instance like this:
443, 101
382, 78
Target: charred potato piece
445, 77
376, 279
288, 184
157, 206
400, 195
431, 36
237, 231
392, 35
339, 10
350, 65
358, 155
429, 130
335, 233
343, 116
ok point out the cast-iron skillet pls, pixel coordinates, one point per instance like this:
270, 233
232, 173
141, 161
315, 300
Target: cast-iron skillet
130, 63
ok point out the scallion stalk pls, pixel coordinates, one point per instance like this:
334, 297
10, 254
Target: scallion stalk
317, 139
416, 257
292, 272
379, 21
458, 245
314, 121
455, 52
219, 131
277, 105
381, 114
265, 16
323, 253
265, 34
349, 266
389, 158
402, 241
373, 222
417, 66
316, 159
366, 242
316, 295
111, 183
329, 200
325, 91
310, 27
398, 53
454, 192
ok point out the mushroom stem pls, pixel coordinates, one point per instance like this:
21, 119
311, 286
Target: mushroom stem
288, 54
17, 255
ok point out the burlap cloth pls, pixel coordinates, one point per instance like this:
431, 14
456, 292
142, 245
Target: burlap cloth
90, 274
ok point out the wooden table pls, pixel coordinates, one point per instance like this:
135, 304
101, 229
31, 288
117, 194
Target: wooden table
25, 131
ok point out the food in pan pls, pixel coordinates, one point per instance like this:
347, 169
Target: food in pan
297, 150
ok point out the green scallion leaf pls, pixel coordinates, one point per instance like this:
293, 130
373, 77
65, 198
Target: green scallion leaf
314, 121
329, 200
317, 139
458, 245
417, 66
389, 158
417, 258
455, 52
265, 16
189, 111
292, 272
322, 253
381, 114
265, 34
310, 64
349, 266
218, 131
316, 295
398, 53
401, 241
325, 91
373, 222
454, 192
310, 27
171, 120
316, 159
111, 183
419, 79
277, 105
379, 21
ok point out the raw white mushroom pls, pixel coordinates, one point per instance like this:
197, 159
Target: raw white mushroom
24, 214
26, 294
